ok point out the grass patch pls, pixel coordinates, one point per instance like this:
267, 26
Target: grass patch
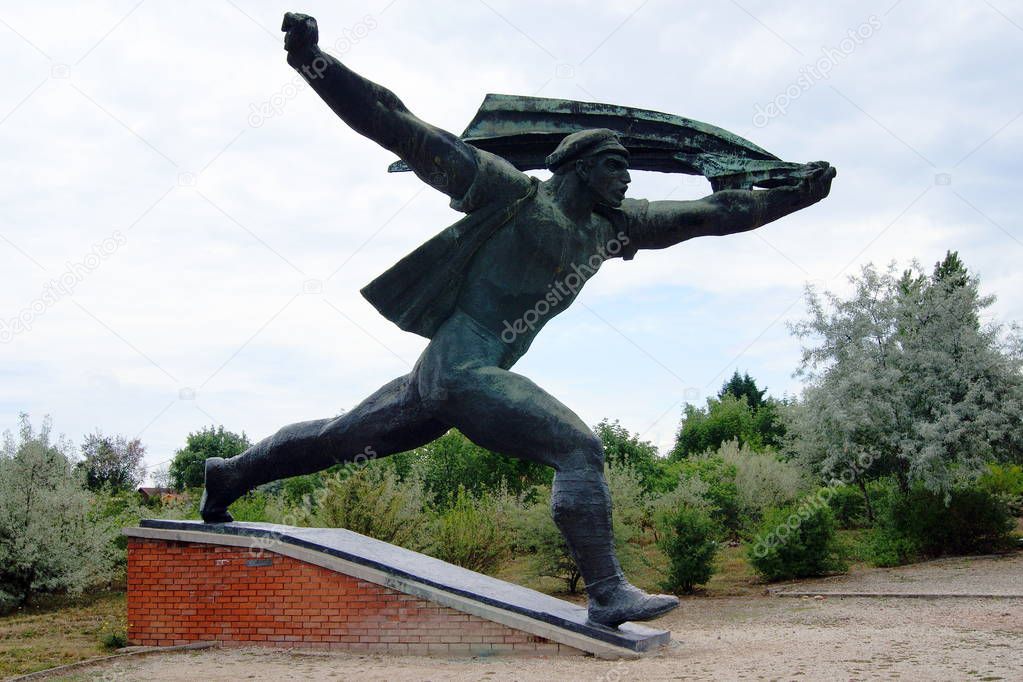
58, 630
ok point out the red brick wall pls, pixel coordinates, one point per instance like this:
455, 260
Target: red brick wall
182, 592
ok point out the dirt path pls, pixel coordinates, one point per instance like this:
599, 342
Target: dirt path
990, 575
763, 638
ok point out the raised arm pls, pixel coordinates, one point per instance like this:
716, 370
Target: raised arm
439, 158
729, 211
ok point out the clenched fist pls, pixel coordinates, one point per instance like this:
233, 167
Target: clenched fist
817, 183
300, 36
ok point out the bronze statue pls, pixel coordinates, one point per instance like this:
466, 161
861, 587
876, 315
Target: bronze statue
483, 288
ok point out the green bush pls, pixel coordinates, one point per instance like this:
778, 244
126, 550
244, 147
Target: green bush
885, 548
1007, 481
117, 509
115, 640
762, 481
737, 485
796, 541
688, 540
848, 506
924, 523
472, 534
250, 507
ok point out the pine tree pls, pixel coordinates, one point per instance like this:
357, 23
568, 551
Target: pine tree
743, 387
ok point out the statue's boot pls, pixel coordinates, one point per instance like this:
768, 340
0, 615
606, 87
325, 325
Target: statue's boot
218, 493
581, 506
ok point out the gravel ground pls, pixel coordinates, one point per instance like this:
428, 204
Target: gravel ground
750, 638
991, 575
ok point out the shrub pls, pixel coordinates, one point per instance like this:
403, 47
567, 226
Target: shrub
1007, 481
263, 507
372, 501
921, 522
796, 541
688, 540
628, 502
762, 481
717, 480
116, 509
690, 493
115, 640
886, 548
848, 506
472, 533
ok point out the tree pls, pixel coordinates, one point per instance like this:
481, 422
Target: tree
743, 387
453, 461
114, 461
188, 469
740, 412
49, 538
625, 449
904, 380
705, 429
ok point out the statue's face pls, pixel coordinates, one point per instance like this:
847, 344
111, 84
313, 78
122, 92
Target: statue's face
607, 177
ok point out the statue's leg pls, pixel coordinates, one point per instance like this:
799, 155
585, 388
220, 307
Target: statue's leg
508, 413
391, 420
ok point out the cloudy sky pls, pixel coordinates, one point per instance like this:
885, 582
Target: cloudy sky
185, 226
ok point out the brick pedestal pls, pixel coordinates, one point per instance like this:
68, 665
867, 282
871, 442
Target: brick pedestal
183, 592
330, 588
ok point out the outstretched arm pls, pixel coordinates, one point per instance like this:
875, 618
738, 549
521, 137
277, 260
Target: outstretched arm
439, 158
729, 211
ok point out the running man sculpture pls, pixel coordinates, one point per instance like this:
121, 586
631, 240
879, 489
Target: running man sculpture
483, 288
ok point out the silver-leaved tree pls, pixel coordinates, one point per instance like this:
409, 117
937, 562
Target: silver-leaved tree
907, 378
50, 538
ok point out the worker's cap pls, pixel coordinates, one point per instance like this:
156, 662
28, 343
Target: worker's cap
582, 144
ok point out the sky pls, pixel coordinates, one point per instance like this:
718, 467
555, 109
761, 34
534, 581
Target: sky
185, 226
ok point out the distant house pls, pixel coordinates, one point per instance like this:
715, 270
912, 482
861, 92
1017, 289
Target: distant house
159, 494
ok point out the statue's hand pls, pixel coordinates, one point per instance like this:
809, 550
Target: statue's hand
817, 183
300, 35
